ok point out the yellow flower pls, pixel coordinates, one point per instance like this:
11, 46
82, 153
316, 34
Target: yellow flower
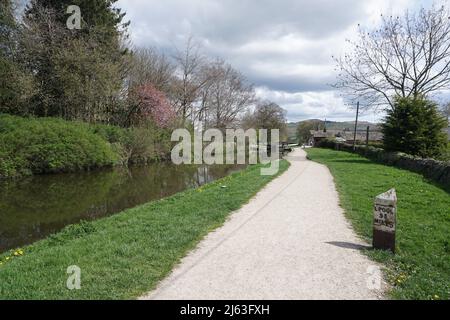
7, 258
436, 297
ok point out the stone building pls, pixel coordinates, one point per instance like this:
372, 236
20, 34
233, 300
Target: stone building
344, 136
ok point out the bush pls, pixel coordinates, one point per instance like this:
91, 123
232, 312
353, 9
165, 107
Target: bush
414, 126
137, 145
49, 145
46, 145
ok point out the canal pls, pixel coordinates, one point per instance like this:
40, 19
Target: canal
35, 207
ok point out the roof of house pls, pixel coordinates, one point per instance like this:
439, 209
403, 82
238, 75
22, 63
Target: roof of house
348, 135
322, 134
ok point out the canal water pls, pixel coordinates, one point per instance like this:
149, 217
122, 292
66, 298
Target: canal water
35, 207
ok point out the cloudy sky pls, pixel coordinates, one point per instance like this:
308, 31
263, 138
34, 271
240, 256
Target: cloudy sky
284, 47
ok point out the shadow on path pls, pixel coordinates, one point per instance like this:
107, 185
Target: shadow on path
348, 245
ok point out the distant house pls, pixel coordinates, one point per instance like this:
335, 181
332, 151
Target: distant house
344, 136
318, 136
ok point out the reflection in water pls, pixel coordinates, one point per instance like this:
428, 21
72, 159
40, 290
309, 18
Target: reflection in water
35, 207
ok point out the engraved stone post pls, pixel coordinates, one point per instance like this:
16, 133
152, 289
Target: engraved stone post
384, 222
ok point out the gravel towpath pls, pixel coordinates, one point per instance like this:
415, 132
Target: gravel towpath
291, 241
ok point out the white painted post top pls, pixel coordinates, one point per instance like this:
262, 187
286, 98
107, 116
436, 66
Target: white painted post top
388, 198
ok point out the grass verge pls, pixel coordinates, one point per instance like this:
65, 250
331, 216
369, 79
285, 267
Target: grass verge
124, 256
420, 269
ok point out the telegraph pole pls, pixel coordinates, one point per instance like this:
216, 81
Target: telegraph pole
367, 136
356, 126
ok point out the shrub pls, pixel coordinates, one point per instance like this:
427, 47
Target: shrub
49, 145
414, 126
137, 145
46, 145
148, 143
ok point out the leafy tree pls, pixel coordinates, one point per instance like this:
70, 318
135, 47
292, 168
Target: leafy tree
96, 15
414, 126
446, 112
7, 26
14, 83
80, 72
304, 129
269, 115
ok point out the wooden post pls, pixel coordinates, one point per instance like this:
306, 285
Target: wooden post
356, 126
385, 221
367, 136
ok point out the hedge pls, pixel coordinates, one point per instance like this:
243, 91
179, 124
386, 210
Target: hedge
48, 145
437, 171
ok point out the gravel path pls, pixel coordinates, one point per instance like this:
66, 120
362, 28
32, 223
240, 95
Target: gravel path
291, 241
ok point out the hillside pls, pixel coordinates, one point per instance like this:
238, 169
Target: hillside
331, 125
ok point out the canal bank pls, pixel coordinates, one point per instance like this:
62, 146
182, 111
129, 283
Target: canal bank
127, 254
35, 207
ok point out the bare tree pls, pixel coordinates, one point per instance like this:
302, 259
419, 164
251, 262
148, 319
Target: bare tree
407, 56
151, 67
188, 83
225, 96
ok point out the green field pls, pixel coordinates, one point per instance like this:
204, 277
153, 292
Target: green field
420, 269
124, 256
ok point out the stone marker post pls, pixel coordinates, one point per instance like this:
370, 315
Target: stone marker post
384, 222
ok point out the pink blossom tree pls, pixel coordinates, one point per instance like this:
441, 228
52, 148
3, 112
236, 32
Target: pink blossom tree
152, 104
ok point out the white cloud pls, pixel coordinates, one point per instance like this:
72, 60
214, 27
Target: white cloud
315, 105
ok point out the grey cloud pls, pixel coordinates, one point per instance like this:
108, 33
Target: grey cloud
238, 21
282, 45
292, 83
247, 33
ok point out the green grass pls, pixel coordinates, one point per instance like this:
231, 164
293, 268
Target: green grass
420, 269
124, 256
